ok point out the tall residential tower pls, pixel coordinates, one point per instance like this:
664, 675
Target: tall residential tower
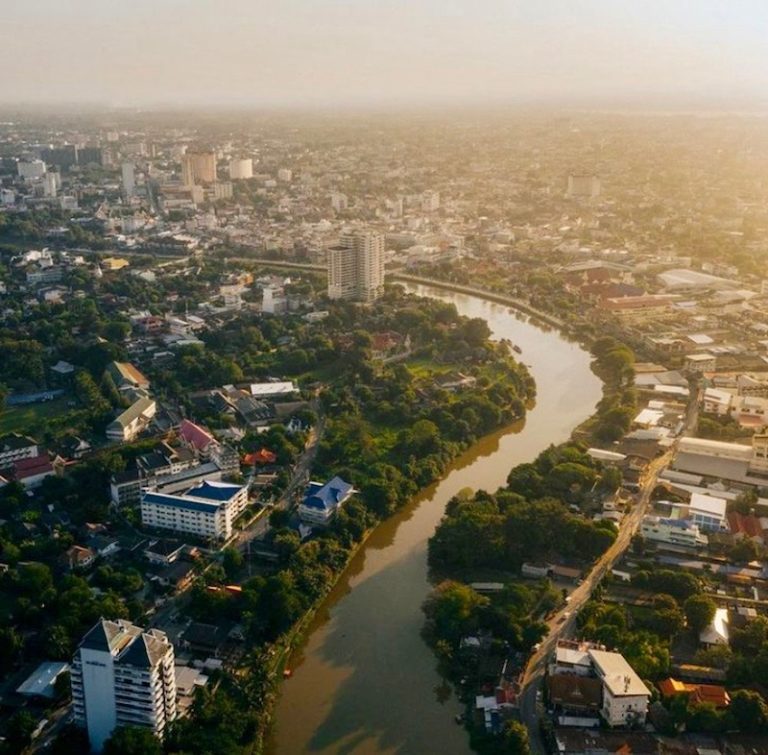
356, 267
123, 676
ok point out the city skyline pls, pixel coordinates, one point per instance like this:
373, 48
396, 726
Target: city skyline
336, 53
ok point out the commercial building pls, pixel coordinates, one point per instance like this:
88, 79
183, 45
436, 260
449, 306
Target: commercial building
704, 511
356, 267
625, 697
198, 167
123, 676
322, 501
672, 532
207, 510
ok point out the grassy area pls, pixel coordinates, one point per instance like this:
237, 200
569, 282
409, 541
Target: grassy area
23, 419
425, 368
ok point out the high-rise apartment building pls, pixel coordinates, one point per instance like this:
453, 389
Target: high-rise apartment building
240, 169
90, 156
51, 183
123, 676
356, 267
64, 156
128, 171
430, 201
198, 167
30, 170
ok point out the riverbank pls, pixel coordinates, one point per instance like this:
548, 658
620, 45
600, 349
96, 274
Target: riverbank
364, 645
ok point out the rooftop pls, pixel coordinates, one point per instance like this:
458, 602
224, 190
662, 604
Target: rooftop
329, 495
617, 675
40, 683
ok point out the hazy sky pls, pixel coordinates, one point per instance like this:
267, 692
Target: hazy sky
330, 52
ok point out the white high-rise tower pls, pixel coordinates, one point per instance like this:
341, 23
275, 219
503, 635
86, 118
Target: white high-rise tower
123, 676
356, 267
129, 179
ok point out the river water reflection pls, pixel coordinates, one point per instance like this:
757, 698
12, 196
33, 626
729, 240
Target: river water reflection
364, 681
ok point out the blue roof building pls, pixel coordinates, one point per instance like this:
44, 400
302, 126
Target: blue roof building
322, 501
208, 509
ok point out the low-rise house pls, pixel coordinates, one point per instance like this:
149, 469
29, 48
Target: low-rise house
208, 639
455, 381
163, 552
535, 571
188, 681
74, 447
572, 741
715, 694
104, 545
80, 557
133, 421
273, 390
322, 501
177, 575
30, 471
196, 437
14, 447
717, 632
572, 657
261, 457
125, 376
716, 401
746, 526
41, 683
572, 693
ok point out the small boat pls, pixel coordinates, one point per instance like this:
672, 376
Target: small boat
517, 349
287, 673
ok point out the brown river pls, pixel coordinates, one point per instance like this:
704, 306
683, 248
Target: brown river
364, 681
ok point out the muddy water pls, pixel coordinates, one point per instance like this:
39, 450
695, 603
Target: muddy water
364, 681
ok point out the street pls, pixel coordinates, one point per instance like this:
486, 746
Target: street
561, 627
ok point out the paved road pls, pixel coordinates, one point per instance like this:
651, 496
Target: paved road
298, 481
563, 623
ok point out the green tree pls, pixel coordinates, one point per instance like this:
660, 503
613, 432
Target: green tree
18, 733
699, 612
132, 740
749, 711
232, 561
72, 740
515, 738
452, 611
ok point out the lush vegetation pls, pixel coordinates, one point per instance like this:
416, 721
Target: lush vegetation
528, 520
